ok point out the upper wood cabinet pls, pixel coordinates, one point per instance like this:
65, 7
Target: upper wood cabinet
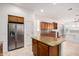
46, 25
50, 26
20, 19
15, 19
54, 25
12, 18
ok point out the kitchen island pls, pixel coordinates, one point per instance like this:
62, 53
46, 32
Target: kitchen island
46, 46
1, 49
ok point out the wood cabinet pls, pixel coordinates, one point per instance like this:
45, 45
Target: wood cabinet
54, 25
44, 25
54, 51
20, 19
41, 49
1, 49
12, 18
48, 26
34, 47
46, 29
52, 34
15, 19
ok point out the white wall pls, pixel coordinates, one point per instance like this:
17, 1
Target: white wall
8, 9
29, 18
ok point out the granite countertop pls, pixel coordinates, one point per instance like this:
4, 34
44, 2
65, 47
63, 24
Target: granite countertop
49, 40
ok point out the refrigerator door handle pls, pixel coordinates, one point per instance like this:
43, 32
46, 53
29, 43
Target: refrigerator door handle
12, 34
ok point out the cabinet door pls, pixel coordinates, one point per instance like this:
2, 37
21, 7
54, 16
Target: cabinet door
49, 26
54, 51
12, 18
54, 25
34, 47
20, 19
15, 19
52, 34
46, 25
42, 49
1, 49
42, 25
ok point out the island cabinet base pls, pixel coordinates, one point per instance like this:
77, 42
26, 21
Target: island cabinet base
1, 49
41, 49
54, 51
34, 47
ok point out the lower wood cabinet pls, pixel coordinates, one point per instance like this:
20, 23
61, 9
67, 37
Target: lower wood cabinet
54, 51
1, 49
41, 49
34, 47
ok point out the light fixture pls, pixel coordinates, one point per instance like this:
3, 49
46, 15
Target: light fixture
69, 9
42, 10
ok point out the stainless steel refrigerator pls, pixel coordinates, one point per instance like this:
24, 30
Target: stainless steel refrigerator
15, 36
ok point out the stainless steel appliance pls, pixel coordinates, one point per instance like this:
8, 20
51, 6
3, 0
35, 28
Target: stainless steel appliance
15, 36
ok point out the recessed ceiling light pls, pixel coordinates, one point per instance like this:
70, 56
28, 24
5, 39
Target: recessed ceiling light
42, 10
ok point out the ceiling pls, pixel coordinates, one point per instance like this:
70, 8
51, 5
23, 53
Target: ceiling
54, 11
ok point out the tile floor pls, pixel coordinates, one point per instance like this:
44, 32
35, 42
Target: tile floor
20, 52
68, 49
